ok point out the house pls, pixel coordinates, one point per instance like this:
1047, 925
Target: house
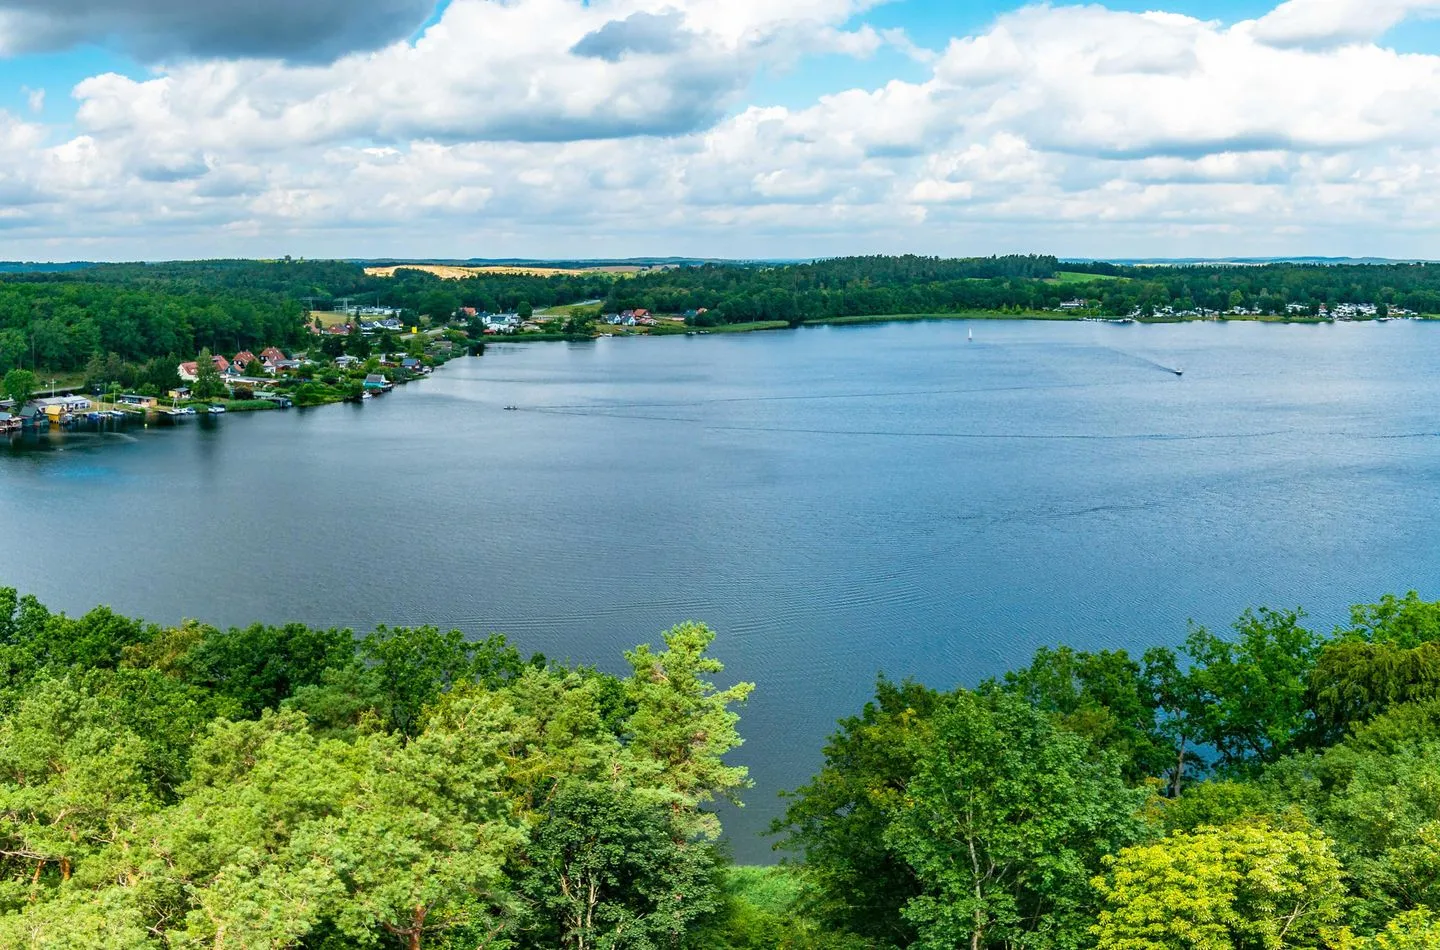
188, 372
181, 392
339, 329
467, 312
376, 381
221, 363
640, 312
242, 361
272, 354
1076, 304
143, 402
411, 363
9, 423
347, 361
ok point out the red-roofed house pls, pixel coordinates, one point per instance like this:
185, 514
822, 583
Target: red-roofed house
221, 363
242, 360
272, 355
188, 371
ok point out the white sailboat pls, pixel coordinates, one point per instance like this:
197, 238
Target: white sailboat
970, 334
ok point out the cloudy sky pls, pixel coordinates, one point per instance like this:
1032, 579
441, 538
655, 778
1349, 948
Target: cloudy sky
146, 129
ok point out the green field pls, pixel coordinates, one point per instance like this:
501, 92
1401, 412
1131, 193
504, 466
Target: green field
1072, 277
568, 310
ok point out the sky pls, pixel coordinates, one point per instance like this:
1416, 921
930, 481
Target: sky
162, 129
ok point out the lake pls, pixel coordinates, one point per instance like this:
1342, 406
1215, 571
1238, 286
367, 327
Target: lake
835, 501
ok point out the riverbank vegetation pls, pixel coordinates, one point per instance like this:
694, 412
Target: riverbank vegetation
292, 787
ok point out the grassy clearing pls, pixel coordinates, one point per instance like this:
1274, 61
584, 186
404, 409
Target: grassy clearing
1073, 277
565, 311
747, 327
328, 318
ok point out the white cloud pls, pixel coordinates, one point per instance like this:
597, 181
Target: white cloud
1335, 22
535, 70
615, 127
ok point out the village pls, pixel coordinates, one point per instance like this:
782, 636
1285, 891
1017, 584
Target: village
247, 381
1343, 312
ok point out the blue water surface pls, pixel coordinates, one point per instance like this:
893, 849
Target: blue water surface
834, 501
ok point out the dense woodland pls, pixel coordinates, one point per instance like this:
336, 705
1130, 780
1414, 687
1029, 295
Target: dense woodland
152, 316
290, 787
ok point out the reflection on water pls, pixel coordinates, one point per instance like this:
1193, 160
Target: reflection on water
834, 501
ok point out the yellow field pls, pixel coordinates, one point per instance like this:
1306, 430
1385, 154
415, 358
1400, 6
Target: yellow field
454, 272
328, 318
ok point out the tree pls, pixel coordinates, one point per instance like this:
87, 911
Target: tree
1180, 712
1005, 823
259, 666
1254, 688
1354, 681
1103, 696
422, 845
19, 385
208, 382
71, 778
1413, 930
411, 668
606, 868
1240, 887
524, 310
1404, 622
839, 820
682, 726
1375, 794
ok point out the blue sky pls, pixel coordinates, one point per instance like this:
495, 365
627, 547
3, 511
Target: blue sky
717, 127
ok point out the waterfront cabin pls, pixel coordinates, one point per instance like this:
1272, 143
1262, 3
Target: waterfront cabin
57, 406
9, 423
376, 381
140, 402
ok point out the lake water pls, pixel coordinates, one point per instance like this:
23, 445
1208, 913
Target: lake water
834, 501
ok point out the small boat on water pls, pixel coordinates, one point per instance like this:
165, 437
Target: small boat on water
1178, 371
511, 408
970, 335
216, 410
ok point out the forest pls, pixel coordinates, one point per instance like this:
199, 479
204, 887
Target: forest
150, 317
868, 286
290, 787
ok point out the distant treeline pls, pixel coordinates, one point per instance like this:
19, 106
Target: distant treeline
864, 286
61, 320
